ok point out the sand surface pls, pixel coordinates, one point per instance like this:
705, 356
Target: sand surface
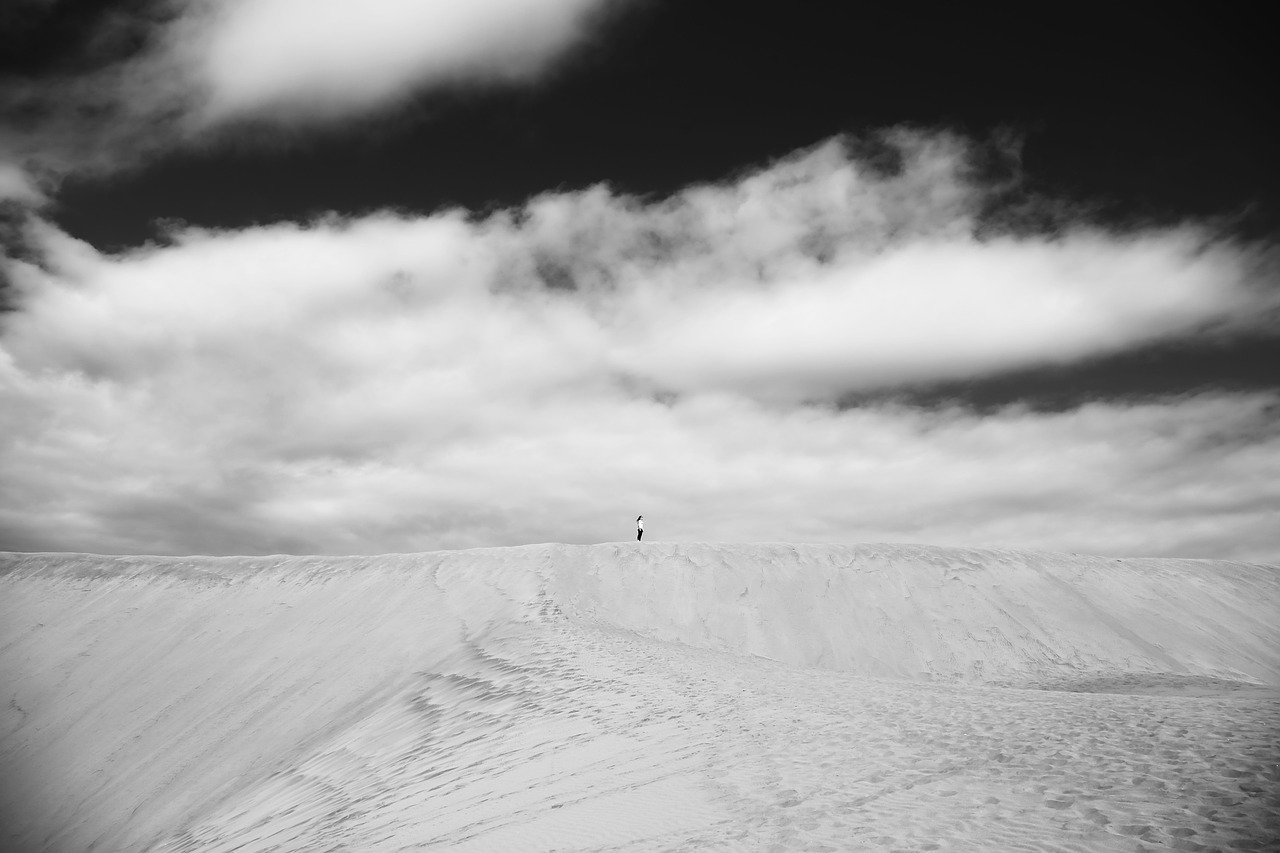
629, 697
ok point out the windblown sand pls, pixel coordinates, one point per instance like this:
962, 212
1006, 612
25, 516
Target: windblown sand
632, 697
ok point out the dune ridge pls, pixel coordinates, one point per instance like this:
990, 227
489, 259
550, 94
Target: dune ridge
639, 696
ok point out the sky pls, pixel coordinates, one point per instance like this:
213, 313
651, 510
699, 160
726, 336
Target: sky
327, 276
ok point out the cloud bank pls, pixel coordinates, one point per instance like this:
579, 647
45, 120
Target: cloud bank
395, 382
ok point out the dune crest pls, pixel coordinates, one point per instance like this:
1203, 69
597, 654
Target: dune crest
921, 612
633, 696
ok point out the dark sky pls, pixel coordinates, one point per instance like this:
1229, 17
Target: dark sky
1143, 113
358, 276
1134, 116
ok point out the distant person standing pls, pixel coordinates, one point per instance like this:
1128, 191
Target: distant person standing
639, 527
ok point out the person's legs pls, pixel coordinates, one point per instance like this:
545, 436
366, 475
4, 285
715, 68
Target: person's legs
639, 535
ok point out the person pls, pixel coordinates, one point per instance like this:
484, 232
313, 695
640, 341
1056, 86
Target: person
639, 527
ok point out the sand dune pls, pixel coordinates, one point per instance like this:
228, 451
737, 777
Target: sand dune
639, 697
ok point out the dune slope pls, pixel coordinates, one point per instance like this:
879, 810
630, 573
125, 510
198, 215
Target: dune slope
639, 697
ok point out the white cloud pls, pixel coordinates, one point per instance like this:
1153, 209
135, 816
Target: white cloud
815, 278
400, 383
202, 67
940, 310
318, 58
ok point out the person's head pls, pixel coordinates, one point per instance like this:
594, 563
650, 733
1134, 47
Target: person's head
638, 517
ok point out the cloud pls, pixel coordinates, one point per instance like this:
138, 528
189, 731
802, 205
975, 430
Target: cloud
818, 277
394, 382
318, 60
17, 186
155, 76
952, 310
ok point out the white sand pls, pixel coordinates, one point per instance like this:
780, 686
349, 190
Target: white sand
639, 697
